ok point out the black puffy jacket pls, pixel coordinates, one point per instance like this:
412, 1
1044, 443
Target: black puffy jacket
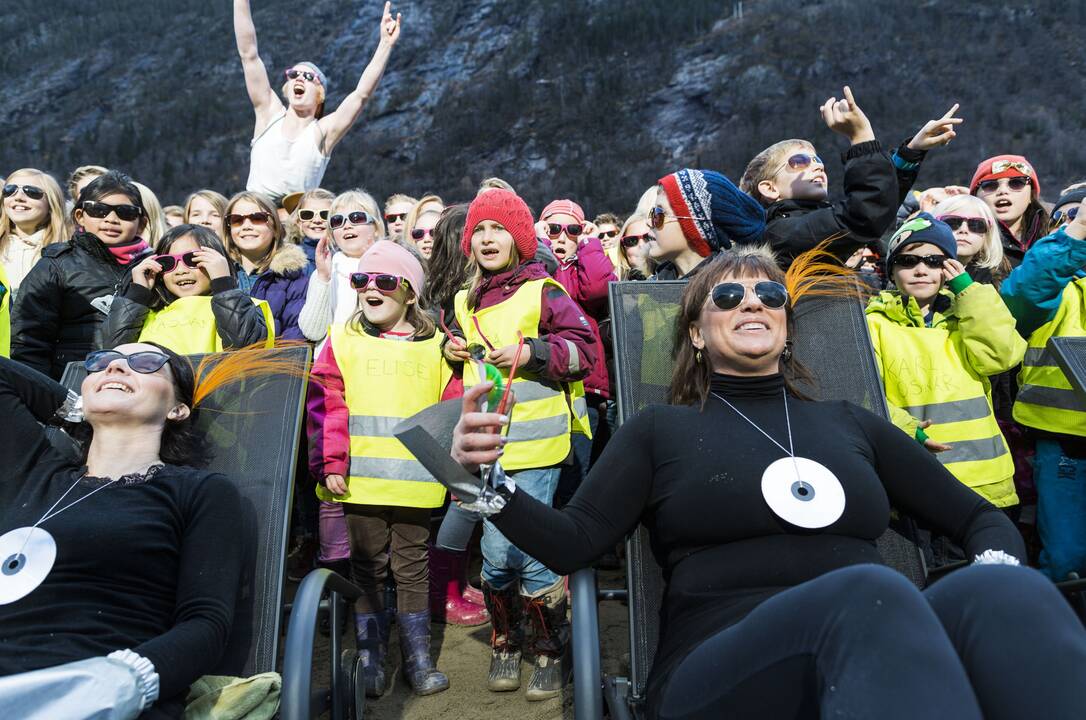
63, 303
238, 320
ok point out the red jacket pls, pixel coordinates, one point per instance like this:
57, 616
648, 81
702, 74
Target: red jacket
586, 278
566, 349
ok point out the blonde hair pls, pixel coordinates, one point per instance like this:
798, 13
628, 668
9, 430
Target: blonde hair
624, 266
156, 219
765, 165
266, 206
990, 255
358, 198
647, 201
55, 224
216, 200
82, 173
399, 198
492, 183
426, 204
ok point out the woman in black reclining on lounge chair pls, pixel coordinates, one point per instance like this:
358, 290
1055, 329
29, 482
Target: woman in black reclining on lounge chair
147, 563
763, 508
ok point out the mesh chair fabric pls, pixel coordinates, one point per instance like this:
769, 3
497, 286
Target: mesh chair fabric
253, 428
831, 340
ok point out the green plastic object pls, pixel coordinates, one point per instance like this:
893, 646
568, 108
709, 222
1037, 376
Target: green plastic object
494, 397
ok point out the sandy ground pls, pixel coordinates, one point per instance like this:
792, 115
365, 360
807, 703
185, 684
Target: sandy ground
464, 655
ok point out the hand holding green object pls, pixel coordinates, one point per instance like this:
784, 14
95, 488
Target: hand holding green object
494, 375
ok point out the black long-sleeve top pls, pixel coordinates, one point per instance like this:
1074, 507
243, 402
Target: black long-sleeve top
693, 477
152, 566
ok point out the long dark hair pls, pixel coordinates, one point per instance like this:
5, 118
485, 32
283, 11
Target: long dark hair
692, 376
450, 269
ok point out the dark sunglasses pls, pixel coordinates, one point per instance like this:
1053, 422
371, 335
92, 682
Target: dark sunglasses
631, 240
32, 192
658, 217
395, 217
257, 218
128, 213
384, 282
935, 262
170, 262
728, 295
419, 233
799, 161
1065, 216
1014, 183
146, 361
975, 224
571, 230
358, 217
608, 234
293, 74
308, 215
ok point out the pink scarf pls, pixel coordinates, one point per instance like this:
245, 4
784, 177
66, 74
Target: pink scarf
125, 253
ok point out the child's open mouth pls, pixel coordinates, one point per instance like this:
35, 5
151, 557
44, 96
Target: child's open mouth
489, 252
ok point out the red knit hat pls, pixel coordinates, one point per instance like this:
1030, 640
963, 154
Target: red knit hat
566, 207
505, 207
1005, 166
681, 206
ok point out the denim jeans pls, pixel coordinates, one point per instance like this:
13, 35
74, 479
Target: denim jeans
503, 562
1061, 509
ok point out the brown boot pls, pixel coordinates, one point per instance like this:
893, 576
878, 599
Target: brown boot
549, 642
506, 618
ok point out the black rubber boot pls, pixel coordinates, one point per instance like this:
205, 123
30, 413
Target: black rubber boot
507, 635
372, 634
549, 643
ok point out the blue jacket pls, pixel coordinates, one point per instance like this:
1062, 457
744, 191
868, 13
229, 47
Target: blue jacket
1033, 289
283, 285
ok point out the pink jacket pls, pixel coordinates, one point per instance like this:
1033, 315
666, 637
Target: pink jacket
586, 277
567, 349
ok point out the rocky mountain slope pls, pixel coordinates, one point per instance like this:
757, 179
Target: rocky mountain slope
594, 99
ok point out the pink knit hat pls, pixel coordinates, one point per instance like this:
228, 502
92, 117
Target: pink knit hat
505, 207
566, 207
386, 256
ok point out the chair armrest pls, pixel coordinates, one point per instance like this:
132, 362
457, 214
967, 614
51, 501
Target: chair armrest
299, 702
587, 677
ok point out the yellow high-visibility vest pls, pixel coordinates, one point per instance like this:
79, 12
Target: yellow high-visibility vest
187, 326
926, 372
1045, 398
546, 412
5, 314
386, 381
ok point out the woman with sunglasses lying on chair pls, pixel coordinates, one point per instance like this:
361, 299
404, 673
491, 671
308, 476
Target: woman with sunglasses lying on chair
291, 145
186, 298
763, 508
790, 180
120, 569
67, 295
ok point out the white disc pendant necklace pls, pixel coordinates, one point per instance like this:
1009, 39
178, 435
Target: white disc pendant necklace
798, 490
27, 554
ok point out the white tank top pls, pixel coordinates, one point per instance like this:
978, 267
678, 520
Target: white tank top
278, 166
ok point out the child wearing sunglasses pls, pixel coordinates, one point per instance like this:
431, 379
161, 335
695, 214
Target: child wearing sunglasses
937, 337
418, 230
185, 298
1011, 188
1047, 295
790, 180
384, 365
32, 217
519, 319
309, 213
66, 296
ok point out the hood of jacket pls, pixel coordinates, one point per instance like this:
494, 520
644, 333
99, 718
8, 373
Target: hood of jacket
893, 305
501, 286
289, 260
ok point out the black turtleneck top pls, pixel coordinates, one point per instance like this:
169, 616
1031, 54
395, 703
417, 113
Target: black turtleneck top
693, 477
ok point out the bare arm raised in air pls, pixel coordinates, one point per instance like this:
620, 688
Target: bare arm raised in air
266, 103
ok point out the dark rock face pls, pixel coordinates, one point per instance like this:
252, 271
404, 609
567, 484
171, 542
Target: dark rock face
593, 99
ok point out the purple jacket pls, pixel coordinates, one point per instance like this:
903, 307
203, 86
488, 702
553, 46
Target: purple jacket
283, 285
566, 349
586, 278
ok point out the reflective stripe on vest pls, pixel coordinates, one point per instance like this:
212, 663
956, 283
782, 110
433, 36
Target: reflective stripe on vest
542, 419
187, 326
386, 381
926, 373
1045, 399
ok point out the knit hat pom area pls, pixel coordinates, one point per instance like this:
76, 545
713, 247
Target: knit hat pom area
507, 209
922, 228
